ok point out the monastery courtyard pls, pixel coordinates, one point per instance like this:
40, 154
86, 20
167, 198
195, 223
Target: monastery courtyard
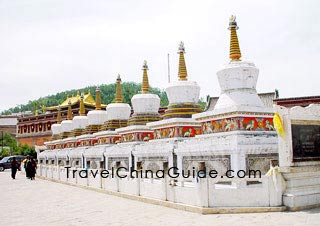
59, 204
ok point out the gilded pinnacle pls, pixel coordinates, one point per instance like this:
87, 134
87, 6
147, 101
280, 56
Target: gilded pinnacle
235, 53
118, 98
59, 115
82, 110
182, 72
98, 98
145, 81
69, 115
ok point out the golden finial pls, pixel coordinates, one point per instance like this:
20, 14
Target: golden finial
82, 111
78, 93
89, 91
182, 74
235, 53
118, 90
59, 115
36, 112
98, 98
69, 115
145, 81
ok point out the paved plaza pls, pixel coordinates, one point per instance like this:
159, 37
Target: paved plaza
41, 202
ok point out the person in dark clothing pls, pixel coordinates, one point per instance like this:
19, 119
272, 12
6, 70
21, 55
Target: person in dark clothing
32, 169
14, 167
27, 167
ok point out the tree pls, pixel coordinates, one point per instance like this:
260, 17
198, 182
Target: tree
15, 148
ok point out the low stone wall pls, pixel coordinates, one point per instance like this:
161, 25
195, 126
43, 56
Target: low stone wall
246, 192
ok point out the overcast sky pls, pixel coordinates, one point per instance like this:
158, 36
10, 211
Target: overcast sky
47, 46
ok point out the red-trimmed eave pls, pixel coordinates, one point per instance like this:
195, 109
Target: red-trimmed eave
299, 101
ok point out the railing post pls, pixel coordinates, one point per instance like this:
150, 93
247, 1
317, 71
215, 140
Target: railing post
202, 187
165, 180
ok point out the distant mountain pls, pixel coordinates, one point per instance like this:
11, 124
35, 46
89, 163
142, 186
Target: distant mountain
107, 96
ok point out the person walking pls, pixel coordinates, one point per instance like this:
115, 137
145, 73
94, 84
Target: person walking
27, 167
33, 169
14, 167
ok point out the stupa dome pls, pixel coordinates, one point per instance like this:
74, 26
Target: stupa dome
118, 110
67, 125
97, 116
56, 129
80, 121
183, 91
145, 102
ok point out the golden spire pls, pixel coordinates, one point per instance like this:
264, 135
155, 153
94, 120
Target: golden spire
36, 112
89, 91
145, 81
59, 115
82, 111
182, 74
118, 90
235, 53
78, 93
69, 115
98, 99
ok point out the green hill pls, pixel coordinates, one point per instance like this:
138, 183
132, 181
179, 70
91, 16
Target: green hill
107, 96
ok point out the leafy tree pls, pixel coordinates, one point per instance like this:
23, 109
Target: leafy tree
15, 148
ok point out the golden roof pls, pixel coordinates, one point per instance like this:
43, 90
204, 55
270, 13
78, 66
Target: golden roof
87, 99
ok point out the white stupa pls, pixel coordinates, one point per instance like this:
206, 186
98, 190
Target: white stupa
97, 117
56, 128
118, 113
80, 122
146, 109
145, 105
183, 95
67, 125
183, 98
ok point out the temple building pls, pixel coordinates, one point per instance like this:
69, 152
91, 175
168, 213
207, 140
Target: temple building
36, 129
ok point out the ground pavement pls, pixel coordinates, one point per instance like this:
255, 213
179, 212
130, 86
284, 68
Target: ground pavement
41, 202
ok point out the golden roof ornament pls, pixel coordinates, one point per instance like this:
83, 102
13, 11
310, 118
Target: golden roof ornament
119, 98
69, 115
98, 98
235, 53
145, 81
182, 72
59, 115
82, 110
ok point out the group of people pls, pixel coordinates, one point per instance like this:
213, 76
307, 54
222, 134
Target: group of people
29, 165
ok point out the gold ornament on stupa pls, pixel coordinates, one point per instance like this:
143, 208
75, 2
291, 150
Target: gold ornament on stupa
98, 98
145, 81
235, 53
69, 115
59, 115
82, 110
182, 72
119, 98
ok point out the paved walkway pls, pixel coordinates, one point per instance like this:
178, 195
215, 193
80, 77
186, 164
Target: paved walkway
41, 202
